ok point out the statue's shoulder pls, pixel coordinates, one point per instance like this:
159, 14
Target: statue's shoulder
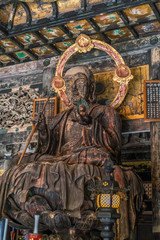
98, 109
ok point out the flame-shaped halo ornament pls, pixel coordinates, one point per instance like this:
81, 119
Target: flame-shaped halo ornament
84, 44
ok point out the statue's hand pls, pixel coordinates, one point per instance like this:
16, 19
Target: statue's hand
40, 120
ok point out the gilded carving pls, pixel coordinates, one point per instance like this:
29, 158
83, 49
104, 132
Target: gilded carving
84, 44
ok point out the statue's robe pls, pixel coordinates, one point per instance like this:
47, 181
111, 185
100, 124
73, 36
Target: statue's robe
72, 155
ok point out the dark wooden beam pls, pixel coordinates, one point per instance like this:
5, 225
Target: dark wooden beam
55, 10
11, 16
128, 45
5, 2
126, 22
21, 46
155, 173
155, 10
83, 5
28, 12
45, 41
3, 30
15, 41
154, 73
2, 51
31, 54
135, 125
66, 31
97, 29
16, 60
83, 15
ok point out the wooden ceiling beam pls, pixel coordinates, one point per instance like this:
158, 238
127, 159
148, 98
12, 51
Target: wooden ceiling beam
45, 41
5, 2
155, 10
28, 12
16, 60
15, 41
2, 51
91, 13
55, 10
126, 22
63, 39
83, 5
11, 16
21, 46
31, 54
3, 30
66, 31
97, 29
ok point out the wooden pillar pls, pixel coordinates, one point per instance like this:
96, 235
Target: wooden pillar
155, 171
155, 151
47, 77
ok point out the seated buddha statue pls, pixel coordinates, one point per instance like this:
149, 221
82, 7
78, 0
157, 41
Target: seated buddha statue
71, 152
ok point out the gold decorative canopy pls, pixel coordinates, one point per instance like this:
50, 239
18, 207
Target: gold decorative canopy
30, 30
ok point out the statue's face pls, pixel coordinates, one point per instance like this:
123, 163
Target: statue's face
77, 89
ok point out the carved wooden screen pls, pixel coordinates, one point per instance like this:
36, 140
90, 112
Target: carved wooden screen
50, 110
152, 100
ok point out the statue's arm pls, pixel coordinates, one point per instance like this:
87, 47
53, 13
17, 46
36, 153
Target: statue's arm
43, 133
111, 123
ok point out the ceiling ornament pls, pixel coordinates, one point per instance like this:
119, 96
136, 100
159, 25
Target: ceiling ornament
84, 44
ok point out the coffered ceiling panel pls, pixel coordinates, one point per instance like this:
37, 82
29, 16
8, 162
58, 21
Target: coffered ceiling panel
5, 59
80, 26
96, 36
119, 33
62, 46
22, 55
148, 27
140, 12
28, 38
30, 30
43, 50
8, 45
107, 20
53, 32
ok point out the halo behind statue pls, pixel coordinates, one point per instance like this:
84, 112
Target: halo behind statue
122, 73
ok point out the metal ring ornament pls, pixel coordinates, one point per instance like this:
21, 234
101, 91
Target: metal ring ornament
83, 44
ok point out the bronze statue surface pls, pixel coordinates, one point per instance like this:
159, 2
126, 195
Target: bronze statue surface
70, 154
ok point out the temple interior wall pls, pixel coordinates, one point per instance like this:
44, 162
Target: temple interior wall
35, 75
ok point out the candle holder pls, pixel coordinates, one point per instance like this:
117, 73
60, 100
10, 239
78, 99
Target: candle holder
35, 235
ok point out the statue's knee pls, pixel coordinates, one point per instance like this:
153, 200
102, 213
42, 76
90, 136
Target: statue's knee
56, 221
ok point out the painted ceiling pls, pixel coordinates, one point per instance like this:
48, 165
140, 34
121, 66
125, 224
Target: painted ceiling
30, 30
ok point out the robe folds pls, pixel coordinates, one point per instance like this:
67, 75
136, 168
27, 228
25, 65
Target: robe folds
66, 159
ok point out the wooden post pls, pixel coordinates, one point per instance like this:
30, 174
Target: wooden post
155, 172
155, 151
47, 77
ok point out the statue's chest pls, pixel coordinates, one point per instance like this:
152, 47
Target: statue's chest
73, 131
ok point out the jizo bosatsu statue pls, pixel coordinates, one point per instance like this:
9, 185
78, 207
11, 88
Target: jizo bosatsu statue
52, 182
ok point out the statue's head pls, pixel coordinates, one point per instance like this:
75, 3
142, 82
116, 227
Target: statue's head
80, 83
